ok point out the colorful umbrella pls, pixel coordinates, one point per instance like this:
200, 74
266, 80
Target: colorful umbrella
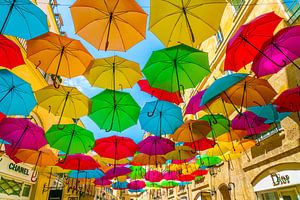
137, 172
200, 145
71, 140
153, 176
219, 125
154, 145
31, 21
10, 53
137, 191
220, 149
169, 176
176, 68
160, 117
79, 162
199, 172
194, 104
102, 182
117, 171
163, 95
186, 22
152, 185
233, 135
208, 161
181, 153
96, 173
64, 101
247, 41
169, 184
136, 185
16, 95
119, 185
122, 161
113, 72
58, 55
2, 116
114, 110
110, 25
21, 133
187, 177
144, 160
278, 52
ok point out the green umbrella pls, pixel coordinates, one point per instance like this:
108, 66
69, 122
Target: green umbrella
219, 125
114, 110
176, 67
71, 140
153, 185
137, 172
169, 184
208, 161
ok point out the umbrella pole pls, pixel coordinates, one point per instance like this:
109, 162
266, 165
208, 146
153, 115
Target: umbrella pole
188, 23
115, 100
115, 160
34, 173
78, 167
46, 188
243, 97
108, 30
19, 140
194, 143
7, 16
284, 63
62, 111
221, 152
215, 120
177, 76
229, 124
150, 114
68, 149
232, 103
248, 158
57, 69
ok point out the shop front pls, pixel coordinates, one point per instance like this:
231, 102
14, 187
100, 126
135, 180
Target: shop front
15, 180
282, 185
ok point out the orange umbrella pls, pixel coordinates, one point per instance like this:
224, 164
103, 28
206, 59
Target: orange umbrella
58, 55
233, 135
144, 159
109, 24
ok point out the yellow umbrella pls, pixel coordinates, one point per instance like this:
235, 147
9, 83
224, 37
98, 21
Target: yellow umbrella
58, 55
230, 156
181, 153
190, 22
113, 72
64, 101
109, 24
234, 135
219, 149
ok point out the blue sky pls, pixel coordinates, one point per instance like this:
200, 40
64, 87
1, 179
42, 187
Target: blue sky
139, 53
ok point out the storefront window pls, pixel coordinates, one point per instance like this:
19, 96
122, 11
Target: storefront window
10, 187
270, 196
26, 190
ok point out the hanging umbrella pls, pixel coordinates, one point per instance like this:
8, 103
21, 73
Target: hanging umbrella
110, 25
233, 135
154, 145
194, 104
163, 95
113, 72
289, 101
119, 185
21, 18
250, 92
220, 149
200, 145
176, 68
242, 147
250, 122
79, 162
186, 22
248, 40
220, 126
171, 175
10, 53
71, 140
16, 95
169, 184
152, 185
136, 185
208, 161
199, 172
21, 133
137, 172
269, 112
96, 173
145, 160
114, 110
278, 52
184, 178
181, 153
153, 176
122, 161
64, 101
102, 182
117, 171
137, 191
58, 55
160, 117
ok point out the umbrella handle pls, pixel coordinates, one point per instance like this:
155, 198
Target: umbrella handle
112, 120
39, 63
55, 84
62, 161
150, 114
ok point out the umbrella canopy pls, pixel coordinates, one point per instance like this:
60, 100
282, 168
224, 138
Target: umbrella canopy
163, 95
71, 140
16, 95
102, 182
136, 191
31, 21
279, 51
154, 145
153, 176
269, 112
176, 68
115, 147
249, 122
187, 177
110, 24
114, 110
194, 103
113, 72
169, 184
289, 100
96, 173
170, 175
160, 117
219, 125
152, 185
137, 172
79, 162
144, 160
181, 153
208, 161
186, 22
233, 135
64, 101
10, 53
250, 92
219, 149
244, 145
136, 185
119, 185
200, 145
122, 161
117, 171
2, 116
191, 131
58, 55
247, 41
199, 172
221, 85
22, 133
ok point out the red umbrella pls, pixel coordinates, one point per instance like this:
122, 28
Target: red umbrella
79, 162
173, 97
199, 172
201, 145
246, 43
2, 116
185, 178
10, 54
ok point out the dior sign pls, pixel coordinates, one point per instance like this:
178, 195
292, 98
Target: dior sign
278, 179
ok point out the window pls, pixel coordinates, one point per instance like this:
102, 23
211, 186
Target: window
237, 4
292, 8
26, 190
10, 187
219, 37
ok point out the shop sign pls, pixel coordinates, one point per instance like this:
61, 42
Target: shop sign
18, 168
278, 179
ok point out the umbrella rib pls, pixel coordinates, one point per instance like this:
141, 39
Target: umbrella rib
115, 23
121, 20
208, 25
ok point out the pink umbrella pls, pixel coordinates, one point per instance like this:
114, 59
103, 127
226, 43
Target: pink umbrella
153, 176
136, 185
279, 51
170, 176
117, 171
249, 122
154, 145
102, 182
22, 133
194, 104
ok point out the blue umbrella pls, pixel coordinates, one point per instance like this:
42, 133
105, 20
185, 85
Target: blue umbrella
23, 19
137, 191
269, 112
184, 183
86, 174
16, 95
160, 117
119, 185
